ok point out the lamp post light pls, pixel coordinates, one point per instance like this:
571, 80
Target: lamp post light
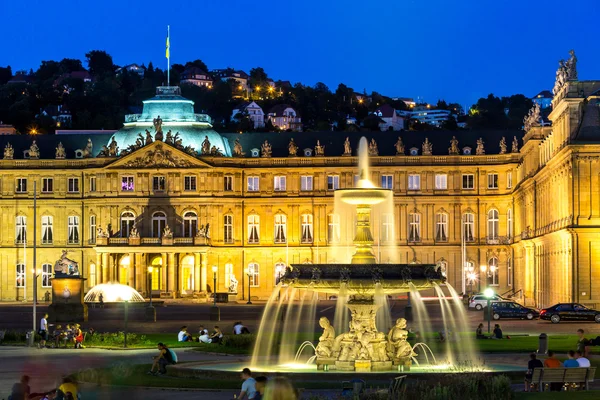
247, 271
489, 293
215, 313
150, 310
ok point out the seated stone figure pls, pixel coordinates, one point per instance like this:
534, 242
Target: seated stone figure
347, 344
398, 347
325, 346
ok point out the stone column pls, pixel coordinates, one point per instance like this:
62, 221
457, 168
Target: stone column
131, 271
163, 275
98, 269
197, 272
171, 273
105, 267
141, 277
203, 272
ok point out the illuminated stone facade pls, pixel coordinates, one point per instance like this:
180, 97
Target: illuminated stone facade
529, 216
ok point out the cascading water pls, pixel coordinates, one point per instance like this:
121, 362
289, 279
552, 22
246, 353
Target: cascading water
463, 325
340, 320
423, 319
383, 319
299, 319
267, 328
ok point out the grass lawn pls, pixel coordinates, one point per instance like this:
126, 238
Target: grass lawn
583, 395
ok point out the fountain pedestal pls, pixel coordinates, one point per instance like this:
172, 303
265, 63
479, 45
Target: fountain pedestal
67, 300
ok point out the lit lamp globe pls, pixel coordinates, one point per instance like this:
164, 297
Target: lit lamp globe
125, 295
215, 269
150, 269
488, 293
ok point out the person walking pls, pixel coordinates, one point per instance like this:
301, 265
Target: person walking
101, 300
43, 332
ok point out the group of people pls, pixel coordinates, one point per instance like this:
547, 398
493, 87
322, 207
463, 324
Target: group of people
261, 387
72, 333
66, 390
216, 336
496, 333
576, 360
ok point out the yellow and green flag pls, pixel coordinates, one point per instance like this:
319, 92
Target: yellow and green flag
168, 52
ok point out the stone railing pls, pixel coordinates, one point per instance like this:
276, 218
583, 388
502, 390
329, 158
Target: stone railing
184, 240
132, 117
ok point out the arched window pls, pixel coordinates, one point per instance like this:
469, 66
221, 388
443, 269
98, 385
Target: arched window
73, 229
190, 224
47, 229
20, 282
46, 275
414, 227
307, 228
441, 227
471, 276
127, 222
509, 224
253, 228
333, 228
279, 271
93, 229
253, 274
468, 227
159, 222
228, 228
493, 268
20, 229
493, 224
280, 228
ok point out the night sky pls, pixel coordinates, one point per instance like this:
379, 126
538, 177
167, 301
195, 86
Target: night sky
454, 50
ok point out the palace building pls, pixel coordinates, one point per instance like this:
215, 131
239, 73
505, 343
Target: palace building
168, 205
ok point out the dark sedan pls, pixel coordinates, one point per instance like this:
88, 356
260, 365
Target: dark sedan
569, 312
510, 309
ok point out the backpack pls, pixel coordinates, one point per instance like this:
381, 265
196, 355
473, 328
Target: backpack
173, 358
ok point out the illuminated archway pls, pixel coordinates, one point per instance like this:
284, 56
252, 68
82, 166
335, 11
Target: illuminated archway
187, 274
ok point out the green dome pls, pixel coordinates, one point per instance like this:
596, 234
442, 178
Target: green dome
177, 115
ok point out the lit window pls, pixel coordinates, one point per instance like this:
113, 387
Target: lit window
20, 282
493, 270
468, 181
21, 229
279, 272
46, 275
441, 181
159, 222
47, 229
189, 183
492, 181
469, 227
387, 227
228, 184
73, 229
47, 185
509, 223
306, 183
333, 182
307, 228
253, 229
92, 229
73, 185
414, 182
253, 183
127, 222
333, 228
493, 225
509, 272
159, 183
414, 227
127, 183
21, 185
509, 180
190, 224
253, 274
280, 228
228, 228
441, 227
92, 184
387, 181
279, 184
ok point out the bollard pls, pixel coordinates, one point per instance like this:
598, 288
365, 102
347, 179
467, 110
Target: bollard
543, 344
30, 338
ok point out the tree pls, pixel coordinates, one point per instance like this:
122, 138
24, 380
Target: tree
372, 122
67, 65
100, 63
258, 79
196, 63
5, 74
450, 124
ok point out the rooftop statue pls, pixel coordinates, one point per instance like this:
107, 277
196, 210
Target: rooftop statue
265, 149
157, 122
87, 152
134, 234
503, 145
205, 146
515, 145
169, 138
427, 147
148, 137
139, 141
177, 140
292, 148
60, 152
9, 152
399, 147
113, 148
373, 150
347, 148
453, 149
214, 151
572, 66
567, 71
532, 118
65, 266
103, 151
319, 150
237, 148
167, 233
479, 150
34, 150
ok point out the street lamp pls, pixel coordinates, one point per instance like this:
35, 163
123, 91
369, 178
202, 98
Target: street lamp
247, 271
489, 294
215, 313
126, 296
36, 273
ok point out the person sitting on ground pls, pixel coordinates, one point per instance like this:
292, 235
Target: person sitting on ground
531, 365
280, 388
183, 335
581, 360
552, 362
217, 335
497, 332
78, 337
203, 336
582, 343
159, 366
571, 362
248, 386
239, 328
261, 383
479, 332
21, 390
67, 390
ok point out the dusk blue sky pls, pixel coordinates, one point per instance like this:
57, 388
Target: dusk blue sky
435, 49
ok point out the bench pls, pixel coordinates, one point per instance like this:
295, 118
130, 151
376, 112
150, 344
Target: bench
394, 391
542, 376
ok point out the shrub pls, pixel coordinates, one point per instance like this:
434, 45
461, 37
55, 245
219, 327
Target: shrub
462, 386
245, 341
116, 339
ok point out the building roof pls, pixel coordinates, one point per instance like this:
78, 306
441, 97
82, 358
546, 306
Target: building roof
589, 130
386, 111
278, 109
21, 78
242, 106
191, 73
544, 94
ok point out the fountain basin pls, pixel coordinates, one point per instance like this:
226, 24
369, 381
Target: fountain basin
367, 196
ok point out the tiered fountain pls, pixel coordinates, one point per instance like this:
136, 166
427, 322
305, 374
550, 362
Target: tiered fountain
363, 347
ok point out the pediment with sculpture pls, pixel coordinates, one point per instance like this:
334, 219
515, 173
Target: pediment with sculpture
158, 155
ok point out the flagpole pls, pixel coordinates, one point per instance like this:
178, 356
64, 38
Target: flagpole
168, 55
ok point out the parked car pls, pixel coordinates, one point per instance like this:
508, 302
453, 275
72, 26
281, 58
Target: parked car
479, 301
511, 309
569, 312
